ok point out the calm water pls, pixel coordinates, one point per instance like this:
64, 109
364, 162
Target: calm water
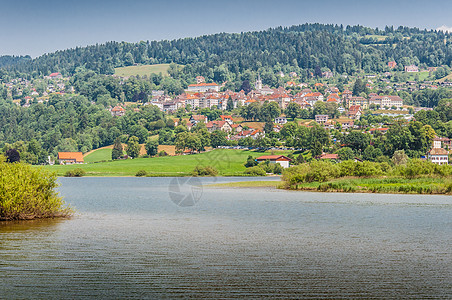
130, 240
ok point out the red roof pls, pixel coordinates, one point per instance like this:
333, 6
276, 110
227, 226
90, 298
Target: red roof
223, 117
54, 74
274, 158
329, 156
117, 108
204, 84
77, 156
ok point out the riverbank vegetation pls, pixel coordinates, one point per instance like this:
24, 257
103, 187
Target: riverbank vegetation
416, 176
27, 192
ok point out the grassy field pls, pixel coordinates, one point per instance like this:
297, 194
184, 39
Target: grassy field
98, 155
422, 76
228, 162
142, 70
447, 78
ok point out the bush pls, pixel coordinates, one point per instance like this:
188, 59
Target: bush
321, 171
75, 173
204, 171
273, 168
141, 173
28, 193
255, 171
163, 153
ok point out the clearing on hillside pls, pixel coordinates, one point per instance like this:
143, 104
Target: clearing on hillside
447, 78
142, 70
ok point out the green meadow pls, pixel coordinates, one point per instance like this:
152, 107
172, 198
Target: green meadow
228, 162
98, 155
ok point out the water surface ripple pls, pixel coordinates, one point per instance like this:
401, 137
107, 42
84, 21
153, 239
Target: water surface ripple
129, 240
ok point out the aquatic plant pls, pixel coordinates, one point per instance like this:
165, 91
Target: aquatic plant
27, 192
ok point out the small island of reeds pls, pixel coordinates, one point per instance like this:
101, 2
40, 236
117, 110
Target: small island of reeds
416, 177
28, 193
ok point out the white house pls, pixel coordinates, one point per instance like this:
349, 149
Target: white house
438, 155
284, 161
281, 120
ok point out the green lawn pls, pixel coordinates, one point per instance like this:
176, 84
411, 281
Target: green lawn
422, 76
142, 70
228, 162
98, 155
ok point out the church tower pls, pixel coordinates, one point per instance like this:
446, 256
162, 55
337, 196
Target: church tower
258, 84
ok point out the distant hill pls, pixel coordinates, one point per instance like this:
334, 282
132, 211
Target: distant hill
303, 47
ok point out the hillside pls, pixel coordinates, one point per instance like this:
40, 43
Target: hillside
340, 49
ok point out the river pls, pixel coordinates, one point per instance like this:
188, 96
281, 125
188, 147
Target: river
176, 237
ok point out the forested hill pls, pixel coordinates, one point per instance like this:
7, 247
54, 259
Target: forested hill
302, 47
8, 60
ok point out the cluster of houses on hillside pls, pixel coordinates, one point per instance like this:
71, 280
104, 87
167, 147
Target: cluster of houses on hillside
207, 95
226, 124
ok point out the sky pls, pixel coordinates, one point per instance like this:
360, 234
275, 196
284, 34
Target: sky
32, 27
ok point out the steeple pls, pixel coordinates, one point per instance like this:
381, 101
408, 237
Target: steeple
258, 84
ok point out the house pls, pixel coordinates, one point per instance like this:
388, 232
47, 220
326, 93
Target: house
346, 124
386, 101
284, 161
438, 156
383, 130
445, 142
118, 111
200, 79
411, 69
203, 87
237, 127
218, 125
56, 75
321, 118
346, 95
195, 119
281, 120
329, 156
68, 158
361, 101
354, 112
227, 119
392, 64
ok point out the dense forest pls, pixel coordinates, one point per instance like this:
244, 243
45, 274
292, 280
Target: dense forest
225, 56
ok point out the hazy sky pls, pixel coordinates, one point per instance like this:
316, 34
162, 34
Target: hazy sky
43, 26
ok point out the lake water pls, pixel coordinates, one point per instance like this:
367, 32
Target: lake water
146, 238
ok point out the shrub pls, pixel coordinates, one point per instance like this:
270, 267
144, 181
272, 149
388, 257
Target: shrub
75, 173
163, 153
204, 171
141, 173
250, 162
321, 171
367, 169
255, 171
28, 193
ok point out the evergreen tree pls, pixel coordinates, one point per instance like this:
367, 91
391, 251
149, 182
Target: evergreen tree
117, 150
